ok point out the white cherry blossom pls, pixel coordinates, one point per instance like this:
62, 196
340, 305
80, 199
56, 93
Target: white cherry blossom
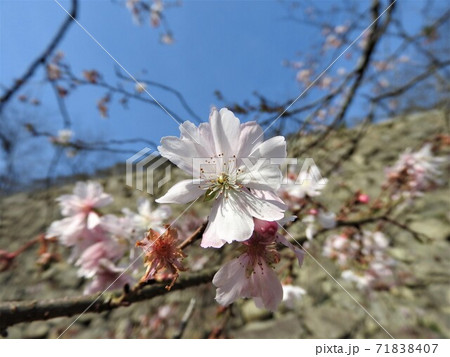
231, 166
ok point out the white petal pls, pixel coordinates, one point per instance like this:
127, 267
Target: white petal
261, 177
228, 221
179, 151
226, 129
273, 148
201, 137
94, 189
183, 192
81, 189
93, 220
262, 209
310, 231
251, 136
327, 219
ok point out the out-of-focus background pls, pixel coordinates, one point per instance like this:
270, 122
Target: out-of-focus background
351, 84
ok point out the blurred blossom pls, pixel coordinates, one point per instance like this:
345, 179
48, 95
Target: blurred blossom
132, 6
78, 229
321, 114
304, 76
384, 83
332, 41
341, 71
91, 76
92, 260
108, 277
363, 258
63, 138
415, 172
364, 39
156, 12
147, 218
325, 82
315, 222
341, 29
53, 72
382, 65
298, 187
167, 38
140, 87
292, 294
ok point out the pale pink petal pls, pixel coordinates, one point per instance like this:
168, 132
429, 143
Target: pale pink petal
230, 281
183, 192
93, 220
261, 176
179, 151
251, 135
261, 209
229, 221
273, 148
299, 253
266, 286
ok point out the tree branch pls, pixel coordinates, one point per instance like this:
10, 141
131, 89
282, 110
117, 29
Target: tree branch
42, 58
15, 312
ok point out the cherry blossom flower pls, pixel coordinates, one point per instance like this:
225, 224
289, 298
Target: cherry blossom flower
108, 277
364, 258
415, 172
63, 138
304, 76
163, 258
341, 248
332, 41
86, 198
167, 38
79, 228
236, 174
147, 218
251, 275
91, 261
351, 247
132, 6
140, 87
341, 29
298, 187
292, 294
314, 222
156, 10
53, 71
378, 275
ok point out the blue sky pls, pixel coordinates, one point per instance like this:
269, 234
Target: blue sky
235, 46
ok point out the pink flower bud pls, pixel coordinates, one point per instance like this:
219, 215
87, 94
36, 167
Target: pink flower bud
363, 198
265, 227
313, 212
